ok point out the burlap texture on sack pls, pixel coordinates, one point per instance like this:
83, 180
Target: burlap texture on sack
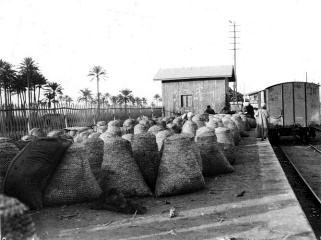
173, 128
15, 223
246, 123
95, 155
56, 133
189, 127
106, 136
37, 132
101, 123
120, 170
161, 136
73, 180
145, 122
204, 130
129, 122
115, 123
31, 169
214, 161
252, 122
94, 135
155, 129
226, 142
230, 124
178, 121
102, 129
179, 170
129, 137
199, 119
139, 128
8, 151
145, 152
127, 130
114, 130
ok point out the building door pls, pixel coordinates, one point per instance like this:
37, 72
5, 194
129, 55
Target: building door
187, 103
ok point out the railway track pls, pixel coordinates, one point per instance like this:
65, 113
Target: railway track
312, 181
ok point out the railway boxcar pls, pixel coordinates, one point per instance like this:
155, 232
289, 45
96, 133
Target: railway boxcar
294, 108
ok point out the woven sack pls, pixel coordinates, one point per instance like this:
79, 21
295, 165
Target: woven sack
204, 130
73, 181
114, 130
8, 151
102, 129
252, 122
101, 123
178, 121
128, 137
29, 172
173, 128
189, 127
95, 155
139, 128
129, 122
37, 132
189, 115
144, 122
161, 136
145, 152
105, 136
115, 123
80, 137
155, 129
120, 170
15, 223
72, 133
179, 170
234, 132
226, 142
214, 161
55, 133
94, 135
246, 123
239, 123
28, 138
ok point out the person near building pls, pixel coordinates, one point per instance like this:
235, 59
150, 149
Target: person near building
262, 117
209, 110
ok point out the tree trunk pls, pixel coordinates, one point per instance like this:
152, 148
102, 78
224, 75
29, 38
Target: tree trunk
98, 98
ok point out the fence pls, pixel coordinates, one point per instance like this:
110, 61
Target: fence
15, 120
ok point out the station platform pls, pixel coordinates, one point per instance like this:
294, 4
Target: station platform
254, 202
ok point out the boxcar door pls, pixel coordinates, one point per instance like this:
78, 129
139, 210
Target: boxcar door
274, 105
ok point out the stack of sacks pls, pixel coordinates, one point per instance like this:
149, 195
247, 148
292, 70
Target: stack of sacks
145, 152
155, 129
228, 123
95, 153
128, 137
16, 224
37, 132
226, 142
120, 170
7, 152
240, 125
29, 172
179, 171
213, 160
139, 128
173, 128
73, 180
114, 128
199, 120
189, 127
246, 123
101, 126
161, 136
128, 125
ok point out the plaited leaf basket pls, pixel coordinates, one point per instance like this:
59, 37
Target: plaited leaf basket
145, 152
226, 142
161, 136
95, 155
8, 151
214, 161
16, 224
139, 128
179, 170
73, 180
120, 170
189, 127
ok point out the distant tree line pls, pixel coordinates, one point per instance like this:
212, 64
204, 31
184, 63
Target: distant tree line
26, 85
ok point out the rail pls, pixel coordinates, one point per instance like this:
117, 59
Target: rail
315, 148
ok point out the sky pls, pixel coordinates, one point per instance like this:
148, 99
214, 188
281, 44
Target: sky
280, 40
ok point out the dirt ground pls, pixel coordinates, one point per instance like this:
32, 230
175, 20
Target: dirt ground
253, 202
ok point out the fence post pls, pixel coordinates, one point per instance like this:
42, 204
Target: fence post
163, 112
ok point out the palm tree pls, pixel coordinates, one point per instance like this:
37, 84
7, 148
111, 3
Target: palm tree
7, 81
66, 99
86, 96
144, 101
104, 98
27, 68
114, 100
125, 97
97, 72
52, 90
156, 97
138, 101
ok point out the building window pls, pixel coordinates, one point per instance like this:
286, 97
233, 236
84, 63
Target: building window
186, 101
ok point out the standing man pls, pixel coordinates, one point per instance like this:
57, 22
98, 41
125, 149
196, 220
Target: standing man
262, 123
209, 110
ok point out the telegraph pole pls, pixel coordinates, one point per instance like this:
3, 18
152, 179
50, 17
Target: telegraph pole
234, 49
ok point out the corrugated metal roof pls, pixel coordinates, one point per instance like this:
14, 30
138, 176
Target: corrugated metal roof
167, 74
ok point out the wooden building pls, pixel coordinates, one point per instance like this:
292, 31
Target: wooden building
192, 89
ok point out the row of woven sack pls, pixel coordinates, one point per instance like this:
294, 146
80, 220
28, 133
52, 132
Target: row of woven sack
165, 157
